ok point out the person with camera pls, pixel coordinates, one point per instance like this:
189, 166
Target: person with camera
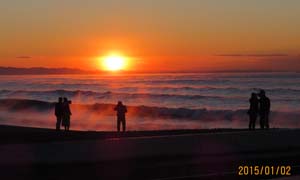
121, 116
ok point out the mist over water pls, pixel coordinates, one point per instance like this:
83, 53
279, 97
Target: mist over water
180, 101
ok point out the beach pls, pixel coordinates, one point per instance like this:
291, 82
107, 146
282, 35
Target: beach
33, 153
149, 90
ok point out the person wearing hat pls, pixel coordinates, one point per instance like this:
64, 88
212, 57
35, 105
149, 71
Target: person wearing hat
264, 110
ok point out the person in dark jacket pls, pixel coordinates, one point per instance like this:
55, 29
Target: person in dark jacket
264, 109
66, 114
59, 113
253, 110
121, 115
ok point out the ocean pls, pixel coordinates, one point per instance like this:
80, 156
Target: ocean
159, 101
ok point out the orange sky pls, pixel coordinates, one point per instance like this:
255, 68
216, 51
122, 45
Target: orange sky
170, 35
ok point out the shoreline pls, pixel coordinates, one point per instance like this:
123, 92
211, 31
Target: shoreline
10, 134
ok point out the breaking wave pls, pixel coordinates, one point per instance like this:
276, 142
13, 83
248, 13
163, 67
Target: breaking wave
140, 111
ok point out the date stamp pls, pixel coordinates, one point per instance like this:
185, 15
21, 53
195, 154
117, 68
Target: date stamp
264, 170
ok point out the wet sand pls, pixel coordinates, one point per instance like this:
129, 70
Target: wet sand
32, 153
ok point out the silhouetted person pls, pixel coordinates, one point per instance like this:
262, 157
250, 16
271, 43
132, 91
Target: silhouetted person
121, 115
59, 113
66, 114
264, 109
253, 110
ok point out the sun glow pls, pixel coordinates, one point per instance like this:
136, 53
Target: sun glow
114, 62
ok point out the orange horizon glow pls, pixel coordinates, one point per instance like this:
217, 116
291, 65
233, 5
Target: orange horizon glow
206, 35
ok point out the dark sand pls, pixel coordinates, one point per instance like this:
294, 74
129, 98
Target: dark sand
32, 153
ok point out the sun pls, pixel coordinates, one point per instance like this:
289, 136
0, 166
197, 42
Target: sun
114, 62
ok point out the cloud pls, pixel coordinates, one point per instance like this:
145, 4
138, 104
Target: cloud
23, 57
253, 55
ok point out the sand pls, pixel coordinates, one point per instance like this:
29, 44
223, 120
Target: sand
187, 154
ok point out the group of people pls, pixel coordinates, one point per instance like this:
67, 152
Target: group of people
259, 106
63, 113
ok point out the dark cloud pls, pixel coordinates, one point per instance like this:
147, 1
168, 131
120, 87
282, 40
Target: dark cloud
23, 57
253, 55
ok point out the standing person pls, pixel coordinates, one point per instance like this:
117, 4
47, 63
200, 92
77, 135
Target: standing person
59, 113
264, 109
253, 111
121, 115
66, 114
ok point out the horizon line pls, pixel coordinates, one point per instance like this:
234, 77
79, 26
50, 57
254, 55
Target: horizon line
59, 70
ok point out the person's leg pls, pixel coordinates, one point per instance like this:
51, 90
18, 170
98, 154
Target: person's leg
58, 119
118, 125
250, 122
66, 122
63, 122
124, 125
267, 121
262, 119
254, 122
69, 123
